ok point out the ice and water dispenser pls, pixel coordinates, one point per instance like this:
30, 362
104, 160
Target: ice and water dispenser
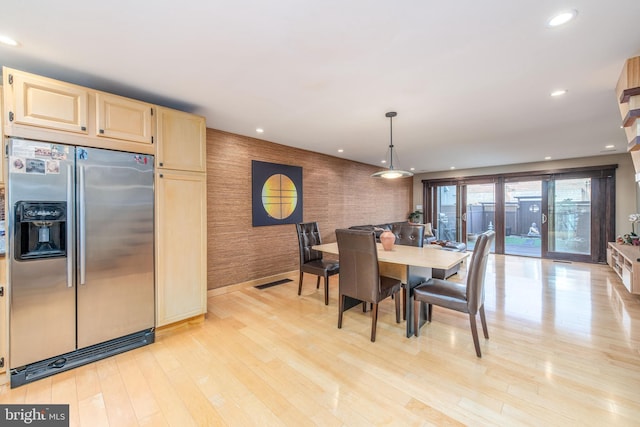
40, 230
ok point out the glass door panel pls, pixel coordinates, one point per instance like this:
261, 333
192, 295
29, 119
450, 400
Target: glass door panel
569, 229
446, 210
523, 218
481, 211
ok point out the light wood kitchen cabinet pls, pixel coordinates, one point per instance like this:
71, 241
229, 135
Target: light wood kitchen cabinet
1, 136
45, 109
43, 102
181, 140
123, 118
4, 324
181, 245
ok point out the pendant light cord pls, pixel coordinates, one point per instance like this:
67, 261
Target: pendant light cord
391, 142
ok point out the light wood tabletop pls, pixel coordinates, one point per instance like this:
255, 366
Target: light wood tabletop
429, 257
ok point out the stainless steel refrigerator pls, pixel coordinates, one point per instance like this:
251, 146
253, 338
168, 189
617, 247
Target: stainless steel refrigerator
80, 254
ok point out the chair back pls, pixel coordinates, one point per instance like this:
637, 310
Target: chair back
477, 270
409, 234
359, 272
308, 236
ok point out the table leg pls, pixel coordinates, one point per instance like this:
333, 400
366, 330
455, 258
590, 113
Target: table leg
424, 272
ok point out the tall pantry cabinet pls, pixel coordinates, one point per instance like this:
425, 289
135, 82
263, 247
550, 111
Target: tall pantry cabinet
181, 216
4, 326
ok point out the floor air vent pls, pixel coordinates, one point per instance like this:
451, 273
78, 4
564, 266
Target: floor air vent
270, 284
64, 362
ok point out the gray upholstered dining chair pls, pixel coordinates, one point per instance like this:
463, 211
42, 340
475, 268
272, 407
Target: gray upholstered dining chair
360, 275
311, 261
466, 298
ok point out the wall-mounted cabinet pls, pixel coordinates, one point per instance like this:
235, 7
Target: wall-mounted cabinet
181, 140
123, 118
623, 259
48, 103
45, 109
181, 245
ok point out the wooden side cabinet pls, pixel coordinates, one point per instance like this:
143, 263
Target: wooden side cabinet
181, 140
181, 245
4, 324
123, 118
44, 102
623, 259
1, 137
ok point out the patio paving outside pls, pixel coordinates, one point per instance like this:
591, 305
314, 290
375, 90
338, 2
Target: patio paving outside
517, 245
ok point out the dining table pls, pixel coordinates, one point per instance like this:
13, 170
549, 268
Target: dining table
403, 262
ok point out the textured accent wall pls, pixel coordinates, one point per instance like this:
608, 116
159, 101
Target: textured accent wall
337, 193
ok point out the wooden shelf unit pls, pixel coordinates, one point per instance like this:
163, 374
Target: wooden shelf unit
624, 261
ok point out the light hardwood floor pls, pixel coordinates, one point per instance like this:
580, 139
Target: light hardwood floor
564, 349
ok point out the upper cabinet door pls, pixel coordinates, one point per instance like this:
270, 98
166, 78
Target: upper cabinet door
123, 118
39, 101
181, 141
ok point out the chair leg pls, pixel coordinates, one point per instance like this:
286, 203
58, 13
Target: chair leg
340, 310
374, 321
397, 308
300, 282
318, 283
474, 333
416, 317
404, 304
483, 319
429, 312
326, 289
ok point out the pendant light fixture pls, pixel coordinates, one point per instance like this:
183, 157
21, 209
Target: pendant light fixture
391, 173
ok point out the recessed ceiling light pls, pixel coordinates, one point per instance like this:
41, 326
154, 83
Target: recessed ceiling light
412, 169
341, 151
8, 41
562, 18
559, 92
452, 167
383, 161
259, 130
548, 158
610, 146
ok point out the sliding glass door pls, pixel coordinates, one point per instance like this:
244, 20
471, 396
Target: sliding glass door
569, 223
565, 215
480, 214
523, 225
447, 212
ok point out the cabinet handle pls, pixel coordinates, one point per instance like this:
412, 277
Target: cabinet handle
83, 128
101, 130
161, 164
161, 175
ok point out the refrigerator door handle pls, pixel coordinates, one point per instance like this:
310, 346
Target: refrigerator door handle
70, 222
82, 255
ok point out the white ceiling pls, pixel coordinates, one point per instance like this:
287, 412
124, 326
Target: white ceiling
470, 79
